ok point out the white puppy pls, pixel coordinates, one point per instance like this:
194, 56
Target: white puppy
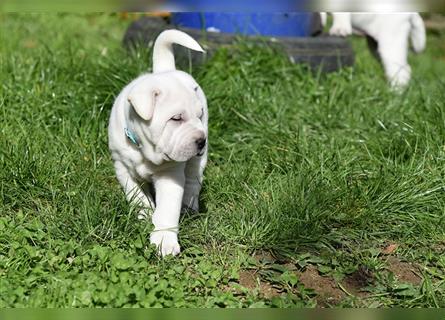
391, 32
158, 141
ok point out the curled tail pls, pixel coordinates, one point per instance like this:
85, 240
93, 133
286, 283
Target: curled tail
163, 58
417, 33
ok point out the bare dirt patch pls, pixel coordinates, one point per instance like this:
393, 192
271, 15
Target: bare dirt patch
404, 271
250, 280
356, 281
264, 257
326, 288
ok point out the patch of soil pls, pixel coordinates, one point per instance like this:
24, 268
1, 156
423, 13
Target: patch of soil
249, 280
267, 257
354, 282
326, 288
440, 247
290, 266
404, 271
264, 257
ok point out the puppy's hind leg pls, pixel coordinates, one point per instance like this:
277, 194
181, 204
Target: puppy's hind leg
341, 25
393, 51
194, 172
133, 191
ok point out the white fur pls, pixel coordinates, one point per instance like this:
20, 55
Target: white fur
391, 31
163, 58
168, 157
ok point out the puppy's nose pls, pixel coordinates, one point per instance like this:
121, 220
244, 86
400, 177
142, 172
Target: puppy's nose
201, 142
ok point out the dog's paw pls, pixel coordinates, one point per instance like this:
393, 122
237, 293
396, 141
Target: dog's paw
400, 80
341, 30
166, 242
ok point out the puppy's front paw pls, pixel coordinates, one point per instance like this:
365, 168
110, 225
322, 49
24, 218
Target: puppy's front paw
341, 30
166, 242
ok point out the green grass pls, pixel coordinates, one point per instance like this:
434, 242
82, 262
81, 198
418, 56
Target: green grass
306, 172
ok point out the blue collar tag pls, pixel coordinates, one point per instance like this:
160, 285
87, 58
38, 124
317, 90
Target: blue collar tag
132, 137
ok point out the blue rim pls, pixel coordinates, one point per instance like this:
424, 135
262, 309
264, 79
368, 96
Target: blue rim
266, 24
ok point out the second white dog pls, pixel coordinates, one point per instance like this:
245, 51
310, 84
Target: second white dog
158, 141
391, 31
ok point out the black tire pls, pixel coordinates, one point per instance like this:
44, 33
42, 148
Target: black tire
324, 53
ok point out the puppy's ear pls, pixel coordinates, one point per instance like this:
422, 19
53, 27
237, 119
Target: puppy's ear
143, 101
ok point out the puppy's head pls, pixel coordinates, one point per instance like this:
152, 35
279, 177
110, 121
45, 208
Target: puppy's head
171, 108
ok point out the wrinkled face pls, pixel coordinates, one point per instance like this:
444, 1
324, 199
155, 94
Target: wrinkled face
178, 124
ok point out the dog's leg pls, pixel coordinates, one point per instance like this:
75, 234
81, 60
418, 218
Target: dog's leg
393, 51
194, 172
341, 25
169, 189
133, 191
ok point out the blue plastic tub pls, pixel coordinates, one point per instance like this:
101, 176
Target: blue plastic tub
290, 24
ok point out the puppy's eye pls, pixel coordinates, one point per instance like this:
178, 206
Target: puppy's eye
176, 117
196, 88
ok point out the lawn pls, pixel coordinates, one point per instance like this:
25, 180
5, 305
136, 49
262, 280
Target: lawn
321, 190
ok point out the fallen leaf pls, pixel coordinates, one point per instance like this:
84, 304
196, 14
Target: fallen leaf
389, 249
